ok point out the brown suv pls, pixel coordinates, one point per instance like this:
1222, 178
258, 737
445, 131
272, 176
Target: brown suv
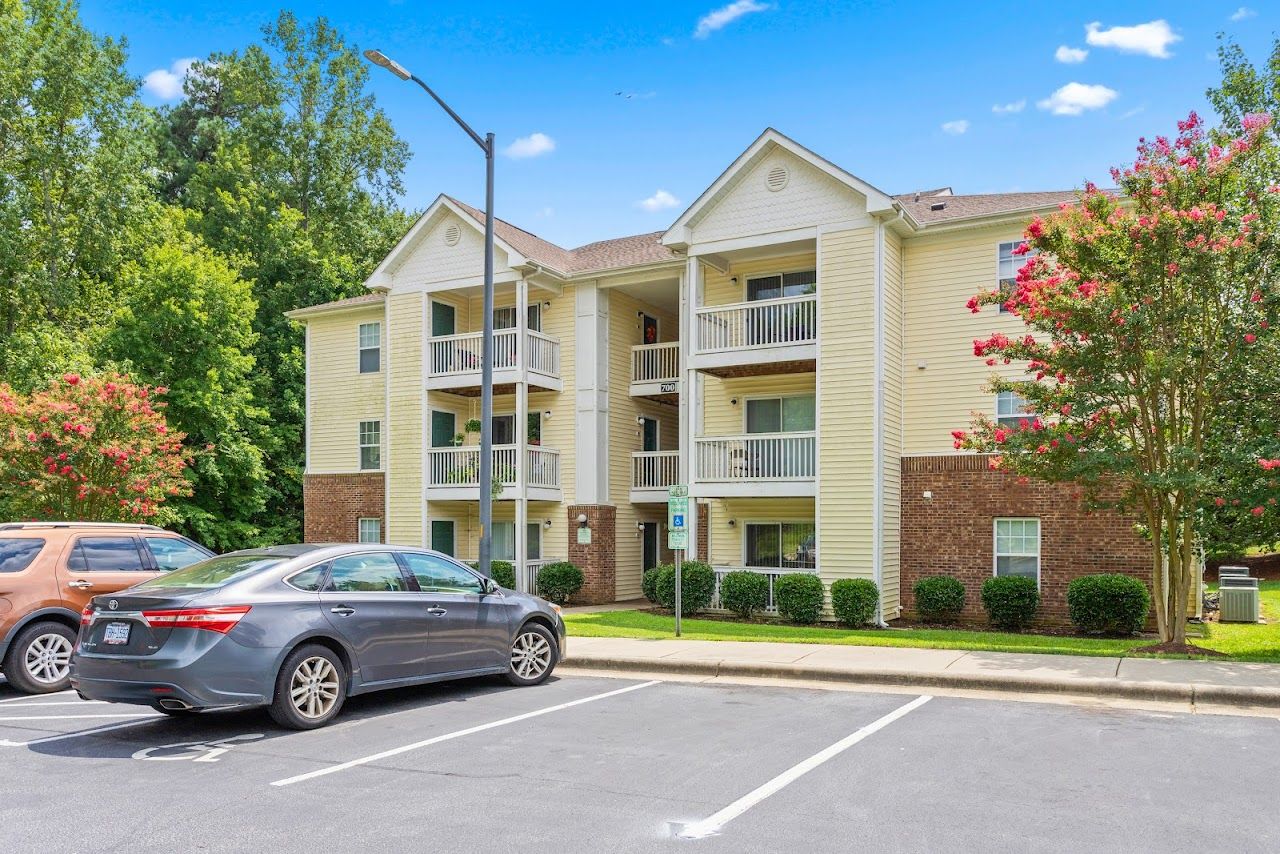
48, 573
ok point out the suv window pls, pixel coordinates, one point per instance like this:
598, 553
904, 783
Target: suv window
174, 553
437, 575
366, 573
16, 553
106, 554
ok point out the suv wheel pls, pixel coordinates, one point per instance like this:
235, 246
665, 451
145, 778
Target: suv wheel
533, 655
310, 689
39, 661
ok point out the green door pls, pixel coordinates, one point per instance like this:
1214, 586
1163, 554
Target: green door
442, 536
442, 319
444, 426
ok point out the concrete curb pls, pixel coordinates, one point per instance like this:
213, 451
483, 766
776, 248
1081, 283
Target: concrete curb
1190, 693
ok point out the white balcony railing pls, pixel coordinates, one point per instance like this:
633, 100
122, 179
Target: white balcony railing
451, 355
655, 363
761, 323
654, 469
544, 354
531, 570
771, 605
460, 467
542, 467
755, 457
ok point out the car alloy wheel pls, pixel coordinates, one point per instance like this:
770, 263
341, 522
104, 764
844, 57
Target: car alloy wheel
314, 687
48, 658
530, 655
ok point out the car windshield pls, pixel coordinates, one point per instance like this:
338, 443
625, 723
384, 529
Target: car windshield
214, 572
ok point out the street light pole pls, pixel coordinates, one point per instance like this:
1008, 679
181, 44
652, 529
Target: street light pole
380, 59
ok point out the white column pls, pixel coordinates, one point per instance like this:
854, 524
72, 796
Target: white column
522, 545
591, 385
690, 417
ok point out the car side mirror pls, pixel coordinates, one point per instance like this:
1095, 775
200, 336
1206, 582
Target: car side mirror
487, 586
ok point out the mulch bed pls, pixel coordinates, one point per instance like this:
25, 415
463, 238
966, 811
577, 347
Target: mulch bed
1179, 649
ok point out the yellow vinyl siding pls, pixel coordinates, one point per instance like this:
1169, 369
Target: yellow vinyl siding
404, 336
720, 417
728, 542
846, 407
340, 396
558, 321
719, 289
941, 274
891, 459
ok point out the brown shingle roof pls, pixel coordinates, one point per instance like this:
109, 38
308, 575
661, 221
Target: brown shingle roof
372, 298
529, 245
963, 207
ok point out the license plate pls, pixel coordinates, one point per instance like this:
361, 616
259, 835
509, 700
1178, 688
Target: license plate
116, 633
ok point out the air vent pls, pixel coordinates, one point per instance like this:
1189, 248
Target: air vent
777, 178
938, 206
452, 235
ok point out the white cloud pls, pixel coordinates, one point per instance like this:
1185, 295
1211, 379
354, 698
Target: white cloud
726, 15
1074, 98
1011, 107
659, 201
546, 213
1152, 38
956, 127
1128, 114
1242, 13
1070, 55
166, 83
533, 145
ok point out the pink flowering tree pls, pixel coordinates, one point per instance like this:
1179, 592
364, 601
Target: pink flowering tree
1149, 317
88, 448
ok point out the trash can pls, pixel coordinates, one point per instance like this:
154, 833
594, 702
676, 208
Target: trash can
1238, 599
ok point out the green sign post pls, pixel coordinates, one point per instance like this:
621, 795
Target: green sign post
678, 534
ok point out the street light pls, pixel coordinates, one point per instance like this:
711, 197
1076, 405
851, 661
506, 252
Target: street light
485, 142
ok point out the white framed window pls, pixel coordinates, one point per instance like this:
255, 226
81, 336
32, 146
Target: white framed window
504, 541
1007, 266
1012, 410
790, 414
370, 348
1017, 548
370, 445
369, 530
782, 285
780, 545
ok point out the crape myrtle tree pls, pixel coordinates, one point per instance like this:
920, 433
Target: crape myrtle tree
1146, 315
89, 448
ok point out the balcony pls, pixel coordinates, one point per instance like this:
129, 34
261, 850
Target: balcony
527, 575
757, 464
453, 474
453, 361
651, 473
760, 337
655, 372
771, 604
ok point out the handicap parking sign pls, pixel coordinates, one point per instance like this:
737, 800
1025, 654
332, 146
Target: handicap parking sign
677, 521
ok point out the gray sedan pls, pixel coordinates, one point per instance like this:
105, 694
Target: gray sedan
300, 628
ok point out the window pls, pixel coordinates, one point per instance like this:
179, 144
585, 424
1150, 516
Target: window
309, 579
504, 429
370, 348
1011, 410
781, 414
504, 541
505, 317
369, 530
533, 312
172, 553
437, 575
782, 545
784, 285
214, 572
370, 445
366, 573
1018, 547
17, 553
1007, 269
106, 554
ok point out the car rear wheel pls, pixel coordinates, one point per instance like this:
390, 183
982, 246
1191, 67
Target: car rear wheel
310, 689
533, 655
39, 661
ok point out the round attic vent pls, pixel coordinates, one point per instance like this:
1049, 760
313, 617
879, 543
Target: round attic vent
777, 178
452, 235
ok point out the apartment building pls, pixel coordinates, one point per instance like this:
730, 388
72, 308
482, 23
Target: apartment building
795, 347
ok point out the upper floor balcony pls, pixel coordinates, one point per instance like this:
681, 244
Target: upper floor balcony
763, 336
454, 473
454, 363
755, 464
651, 473
655, 371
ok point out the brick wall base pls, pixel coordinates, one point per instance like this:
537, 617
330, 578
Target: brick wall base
333, 504
702, 534
597, 559
953, 532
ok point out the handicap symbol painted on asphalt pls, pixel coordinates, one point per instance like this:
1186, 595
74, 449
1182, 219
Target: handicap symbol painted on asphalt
196, 751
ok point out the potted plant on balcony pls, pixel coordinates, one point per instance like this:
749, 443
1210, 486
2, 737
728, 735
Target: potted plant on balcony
471, 428
535, 429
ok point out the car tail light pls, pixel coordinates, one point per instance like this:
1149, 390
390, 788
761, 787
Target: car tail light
86, 616
221, 619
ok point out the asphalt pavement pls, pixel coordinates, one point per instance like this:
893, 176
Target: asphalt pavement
588, 764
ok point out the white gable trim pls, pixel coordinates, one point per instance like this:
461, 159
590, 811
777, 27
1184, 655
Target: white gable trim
679, 233
381, 275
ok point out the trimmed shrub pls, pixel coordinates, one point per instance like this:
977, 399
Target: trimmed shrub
649, 583
558, 581
1108, 603
854, 601
939, 598
501, 571
744, 593
799, 597
1011, 601
697, 584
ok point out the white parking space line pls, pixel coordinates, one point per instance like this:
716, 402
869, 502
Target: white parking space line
78, 734
713, 824
70, 717
386, 754
30, 697
61, 703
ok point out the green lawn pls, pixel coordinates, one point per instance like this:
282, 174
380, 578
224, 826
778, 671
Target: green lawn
1247, 643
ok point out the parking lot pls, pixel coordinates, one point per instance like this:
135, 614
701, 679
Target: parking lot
603, 764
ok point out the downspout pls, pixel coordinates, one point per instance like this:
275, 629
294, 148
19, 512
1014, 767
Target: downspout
877, 546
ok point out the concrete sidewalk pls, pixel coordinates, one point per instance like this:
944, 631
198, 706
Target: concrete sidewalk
1210, 682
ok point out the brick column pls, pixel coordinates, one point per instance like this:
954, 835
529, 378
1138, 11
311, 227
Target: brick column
701, 550
597, 559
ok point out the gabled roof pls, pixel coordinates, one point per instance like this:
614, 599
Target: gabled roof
526, 243
930, 210
877, 200
368, 300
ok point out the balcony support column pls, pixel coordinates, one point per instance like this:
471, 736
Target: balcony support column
690, 388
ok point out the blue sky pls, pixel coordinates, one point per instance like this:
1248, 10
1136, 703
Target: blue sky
901, 94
